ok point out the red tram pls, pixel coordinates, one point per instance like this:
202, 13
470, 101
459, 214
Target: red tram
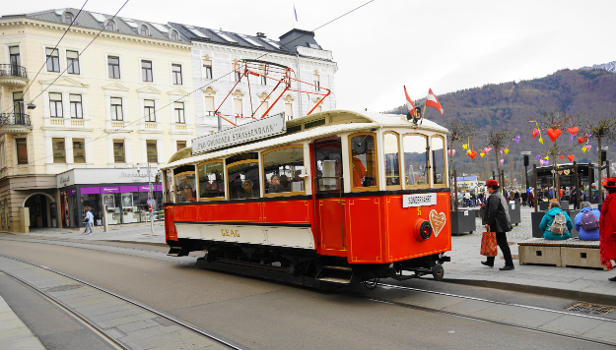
333, 197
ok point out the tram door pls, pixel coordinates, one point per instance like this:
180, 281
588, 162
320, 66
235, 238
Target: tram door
330, 204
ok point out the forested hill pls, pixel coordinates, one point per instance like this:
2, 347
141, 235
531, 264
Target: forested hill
587, 93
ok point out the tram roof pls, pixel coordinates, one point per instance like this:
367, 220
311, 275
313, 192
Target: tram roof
340, 121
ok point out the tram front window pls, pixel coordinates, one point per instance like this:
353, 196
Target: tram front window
328, 158
438, 160
185, 184
363, 160
415, 160
243, 177
284, 170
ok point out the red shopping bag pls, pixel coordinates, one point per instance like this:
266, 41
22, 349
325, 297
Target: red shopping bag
488, 244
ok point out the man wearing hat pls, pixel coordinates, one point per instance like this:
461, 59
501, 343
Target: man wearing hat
497, 220
607, 225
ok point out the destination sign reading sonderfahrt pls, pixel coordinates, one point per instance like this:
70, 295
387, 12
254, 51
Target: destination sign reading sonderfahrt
260, 129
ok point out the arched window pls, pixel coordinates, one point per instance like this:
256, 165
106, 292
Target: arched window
110, 26
362, 148
415, 160
173, 35
144, 30
68, 17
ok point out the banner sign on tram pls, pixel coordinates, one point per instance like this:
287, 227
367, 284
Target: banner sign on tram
260, 129
418, 200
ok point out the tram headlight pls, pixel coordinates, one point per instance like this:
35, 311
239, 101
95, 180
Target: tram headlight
423, 230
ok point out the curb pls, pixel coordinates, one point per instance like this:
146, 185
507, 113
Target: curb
548, 291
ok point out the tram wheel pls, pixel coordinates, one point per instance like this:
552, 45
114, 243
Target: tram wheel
438, 272
370, 283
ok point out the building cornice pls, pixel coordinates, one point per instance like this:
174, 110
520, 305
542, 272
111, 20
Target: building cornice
6, 22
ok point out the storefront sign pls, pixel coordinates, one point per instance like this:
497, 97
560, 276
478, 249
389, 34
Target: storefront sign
418, 200
65, 179
257, 130
129, 189
113, 189
90, 190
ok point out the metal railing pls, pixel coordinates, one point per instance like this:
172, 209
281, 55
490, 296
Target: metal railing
14, 119
13, 70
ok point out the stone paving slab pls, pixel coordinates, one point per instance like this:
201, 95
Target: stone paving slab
14, 334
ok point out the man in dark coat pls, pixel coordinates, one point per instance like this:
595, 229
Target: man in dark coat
607, 226
496, 219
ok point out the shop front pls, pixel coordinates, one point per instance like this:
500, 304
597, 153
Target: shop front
117, 202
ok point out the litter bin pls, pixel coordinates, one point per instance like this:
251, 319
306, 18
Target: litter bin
463, 221
543, 205
514, 212
536, 220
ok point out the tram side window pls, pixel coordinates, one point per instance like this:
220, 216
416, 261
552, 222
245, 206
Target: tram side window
415, 160
284, 169
363, 160
328, 158
211, 182
391, 149
243, 178
438, 160
185, 183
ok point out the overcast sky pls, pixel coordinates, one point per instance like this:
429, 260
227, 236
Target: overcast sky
445, 45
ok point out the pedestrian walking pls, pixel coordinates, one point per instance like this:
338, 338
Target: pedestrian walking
607, 226
496, 219
89, 221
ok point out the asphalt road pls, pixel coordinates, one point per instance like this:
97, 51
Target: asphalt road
259, 314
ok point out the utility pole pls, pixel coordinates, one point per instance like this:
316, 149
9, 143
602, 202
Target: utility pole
150, 201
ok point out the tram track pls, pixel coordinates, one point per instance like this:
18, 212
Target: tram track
502, 304
101, 328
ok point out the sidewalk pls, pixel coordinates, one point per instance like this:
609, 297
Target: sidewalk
465, 266
14, 334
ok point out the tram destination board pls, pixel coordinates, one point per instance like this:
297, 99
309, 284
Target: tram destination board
257, 130
418, 200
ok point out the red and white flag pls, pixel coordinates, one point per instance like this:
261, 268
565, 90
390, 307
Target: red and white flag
411, 105
432, 101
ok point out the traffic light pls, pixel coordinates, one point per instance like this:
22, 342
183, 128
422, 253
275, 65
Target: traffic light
525, 160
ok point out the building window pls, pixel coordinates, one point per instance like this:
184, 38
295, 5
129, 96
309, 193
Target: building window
149, 111
146, 71
152, 151
238, 76
209, 106
118, 151
59, 151
116, 109
79, 152
110, 26
180, 145
113, 65
317, 81
14, 58
237, 106
207, 68
264, 71
53, 60
174, 35
76, 106
55, 105
176, 74
179, 112
68, 17
363, 160
144, 30
22, 151
72, 62
415, 160
288, 110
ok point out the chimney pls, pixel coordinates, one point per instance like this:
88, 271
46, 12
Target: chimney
260, 35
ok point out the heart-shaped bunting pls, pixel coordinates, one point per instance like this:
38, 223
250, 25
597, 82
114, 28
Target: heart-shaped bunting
554, 133
571, 157
573, 131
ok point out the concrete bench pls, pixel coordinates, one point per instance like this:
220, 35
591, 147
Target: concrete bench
570, 252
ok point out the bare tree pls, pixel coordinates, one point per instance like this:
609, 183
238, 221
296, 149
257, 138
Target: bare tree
497, 139
603, 130
458, 132
554, 120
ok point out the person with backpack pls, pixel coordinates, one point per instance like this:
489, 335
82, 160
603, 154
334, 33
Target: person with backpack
587, 222
496, 219
556, 223
607, 226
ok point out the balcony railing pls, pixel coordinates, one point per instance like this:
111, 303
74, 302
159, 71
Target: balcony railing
13, 119
13, 70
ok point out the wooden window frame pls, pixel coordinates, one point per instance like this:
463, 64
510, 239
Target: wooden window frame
279, 194
445, 165
224, 180
244, 161
428, 180
376, 170
393, 187
175, 183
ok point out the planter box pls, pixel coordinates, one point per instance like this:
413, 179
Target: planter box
463, 222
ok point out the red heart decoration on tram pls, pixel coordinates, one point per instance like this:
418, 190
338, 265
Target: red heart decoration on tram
573, 131
581, 140
554, 133
535, 133
473, 154
562, 156
571, 157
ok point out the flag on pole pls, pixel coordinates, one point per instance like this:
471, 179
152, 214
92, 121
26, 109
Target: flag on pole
411, 105
432, 101
295, 12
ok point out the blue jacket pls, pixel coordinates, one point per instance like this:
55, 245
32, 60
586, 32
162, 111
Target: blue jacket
547, 220
592, 235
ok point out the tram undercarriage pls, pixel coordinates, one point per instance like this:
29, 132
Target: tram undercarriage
303, 267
